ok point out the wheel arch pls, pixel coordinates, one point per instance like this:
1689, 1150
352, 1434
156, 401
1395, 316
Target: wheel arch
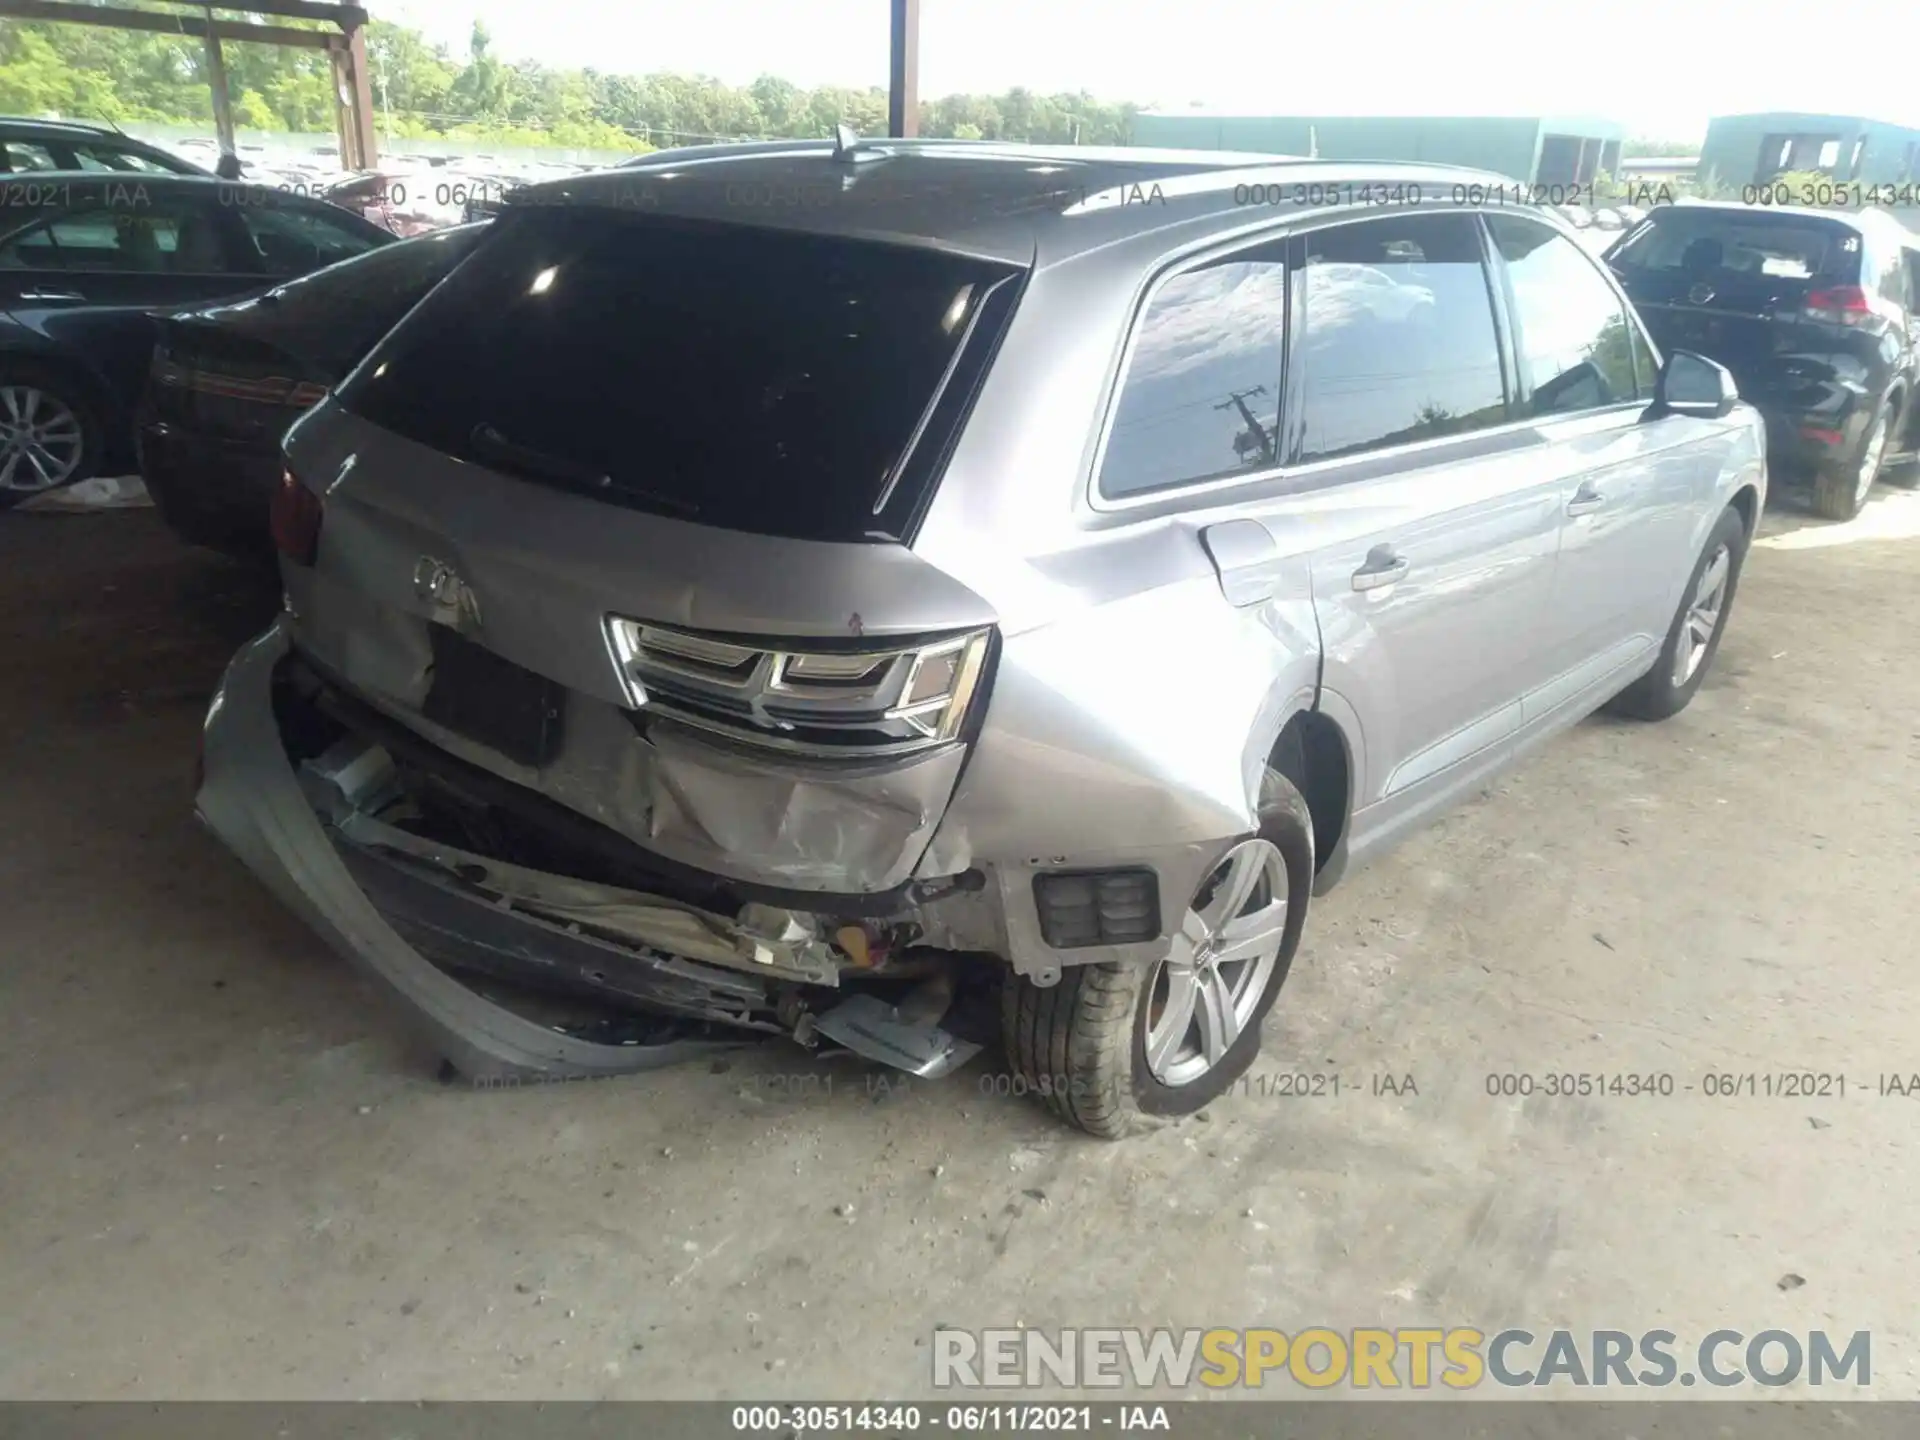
1315, 753
1746, 500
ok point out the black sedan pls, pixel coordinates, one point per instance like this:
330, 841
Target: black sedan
228, 381
88, 260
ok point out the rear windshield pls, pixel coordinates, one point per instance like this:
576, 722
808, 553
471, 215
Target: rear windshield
751, 379
1684, 240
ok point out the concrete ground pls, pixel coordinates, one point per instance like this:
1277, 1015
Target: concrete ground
227, 1170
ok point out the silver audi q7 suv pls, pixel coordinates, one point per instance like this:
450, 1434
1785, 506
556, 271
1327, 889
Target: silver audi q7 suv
883, 592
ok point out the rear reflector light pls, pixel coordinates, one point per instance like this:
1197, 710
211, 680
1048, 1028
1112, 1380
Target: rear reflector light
1097, 907
296, 517
267, 390
1842, 305
1825, 437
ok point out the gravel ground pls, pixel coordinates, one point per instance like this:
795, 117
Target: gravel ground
227, 1170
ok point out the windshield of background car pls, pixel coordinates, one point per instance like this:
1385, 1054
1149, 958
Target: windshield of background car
752, 379
1731, 243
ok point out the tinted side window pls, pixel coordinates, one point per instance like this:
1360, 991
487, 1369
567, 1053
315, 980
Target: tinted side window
164, 238
1400, 342
1571, 332
1201, 396
30, 250
26, 155
130, 234
107, 158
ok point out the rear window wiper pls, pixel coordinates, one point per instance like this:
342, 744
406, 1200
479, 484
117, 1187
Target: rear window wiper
531, 464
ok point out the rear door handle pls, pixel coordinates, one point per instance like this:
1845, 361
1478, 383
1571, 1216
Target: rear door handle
52, 296
1384, 566
1585, 500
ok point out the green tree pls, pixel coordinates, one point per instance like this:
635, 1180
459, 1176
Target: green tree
421, 90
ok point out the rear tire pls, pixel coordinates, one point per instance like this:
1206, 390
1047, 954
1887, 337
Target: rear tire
1840, 493
1694, 637
1083, 1045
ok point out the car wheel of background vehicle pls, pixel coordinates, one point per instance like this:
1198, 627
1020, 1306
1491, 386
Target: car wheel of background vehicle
49, 436
1694, 638
1841, 493
1112, 1043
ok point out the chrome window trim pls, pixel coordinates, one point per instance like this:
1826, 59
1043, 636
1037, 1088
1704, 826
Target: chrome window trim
1172, 499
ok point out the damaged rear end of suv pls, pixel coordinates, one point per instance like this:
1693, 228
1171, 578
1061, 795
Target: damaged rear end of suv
686, 640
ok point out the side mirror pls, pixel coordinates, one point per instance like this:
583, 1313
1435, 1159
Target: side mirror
1691, 384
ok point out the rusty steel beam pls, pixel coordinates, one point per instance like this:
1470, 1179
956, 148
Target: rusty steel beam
65, 13
347, 17
353, 96
903, 76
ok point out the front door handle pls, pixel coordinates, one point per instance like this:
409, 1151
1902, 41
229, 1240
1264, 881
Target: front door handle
1585, 500
51, 296
1384, 566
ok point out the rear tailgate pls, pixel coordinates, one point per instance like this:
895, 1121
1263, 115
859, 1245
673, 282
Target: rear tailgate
1733, 285
720, 435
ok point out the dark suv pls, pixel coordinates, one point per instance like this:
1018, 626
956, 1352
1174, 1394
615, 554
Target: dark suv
1816, 313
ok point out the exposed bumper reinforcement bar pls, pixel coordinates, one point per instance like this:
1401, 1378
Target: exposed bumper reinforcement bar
250, 797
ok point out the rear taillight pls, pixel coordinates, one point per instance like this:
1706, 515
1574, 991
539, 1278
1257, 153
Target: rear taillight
296, 517
1841, 305
889, 699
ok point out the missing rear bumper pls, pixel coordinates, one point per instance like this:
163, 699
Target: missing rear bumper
453, 933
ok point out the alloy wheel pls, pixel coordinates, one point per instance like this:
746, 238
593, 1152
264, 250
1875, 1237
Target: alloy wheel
1206, 993
41, 441
1703, 616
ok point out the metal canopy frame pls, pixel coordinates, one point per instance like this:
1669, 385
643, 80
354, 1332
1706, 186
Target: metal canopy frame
903, 73
346, 49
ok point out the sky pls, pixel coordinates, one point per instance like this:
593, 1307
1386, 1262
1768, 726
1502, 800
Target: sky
1660, 67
